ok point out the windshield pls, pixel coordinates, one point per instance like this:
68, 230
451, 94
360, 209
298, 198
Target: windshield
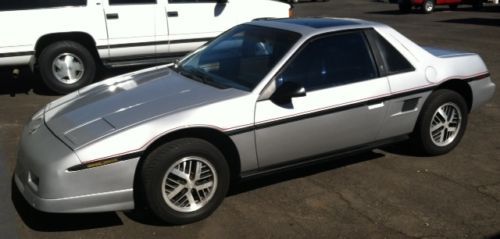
239, 58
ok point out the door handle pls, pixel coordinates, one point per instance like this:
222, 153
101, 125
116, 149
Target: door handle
376, 106
111, 16
172, 14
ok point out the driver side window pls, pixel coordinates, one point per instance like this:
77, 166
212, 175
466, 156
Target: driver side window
333, 60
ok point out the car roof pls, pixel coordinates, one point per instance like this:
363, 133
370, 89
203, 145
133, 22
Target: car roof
315, 25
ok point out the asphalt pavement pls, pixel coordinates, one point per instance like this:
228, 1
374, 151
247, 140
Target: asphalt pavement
387, 193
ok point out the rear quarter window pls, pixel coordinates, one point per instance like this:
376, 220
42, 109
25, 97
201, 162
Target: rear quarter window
395, 62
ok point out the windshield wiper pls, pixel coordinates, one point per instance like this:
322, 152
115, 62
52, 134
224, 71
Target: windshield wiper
198, 75
207, 79
187, 73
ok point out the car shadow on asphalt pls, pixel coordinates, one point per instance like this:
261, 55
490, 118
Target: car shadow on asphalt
495, 236
486, 8
388, 12
404, 148
52, 222
144, 216
262, 181
494, 22
15, 81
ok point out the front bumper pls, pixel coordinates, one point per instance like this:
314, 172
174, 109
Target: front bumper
42, 177
110, 201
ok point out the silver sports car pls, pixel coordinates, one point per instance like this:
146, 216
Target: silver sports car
263, 96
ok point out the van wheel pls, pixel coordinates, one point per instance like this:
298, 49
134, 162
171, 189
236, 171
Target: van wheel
66, 66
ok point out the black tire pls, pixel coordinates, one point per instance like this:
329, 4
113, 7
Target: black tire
404, 6
58, 50
162, 159
454, 6
428, 6
422, 135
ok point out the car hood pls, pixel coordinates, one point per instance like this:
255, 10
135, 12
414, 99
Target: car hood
114, 104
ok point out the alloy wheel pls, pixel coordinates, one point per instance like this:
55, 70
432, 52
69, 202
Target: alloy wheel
189, 184
445, 124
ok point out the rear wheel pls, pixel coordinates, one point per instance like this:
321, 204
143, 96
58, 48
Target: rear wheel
428, 6
441, 123
66, 66
185, 180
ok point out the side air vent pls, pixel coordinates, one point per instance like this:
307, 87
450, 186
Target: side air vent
410, 105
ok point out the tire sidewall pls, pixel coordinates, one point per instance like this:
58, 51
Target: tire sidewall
164, 158
436, 100
47, 57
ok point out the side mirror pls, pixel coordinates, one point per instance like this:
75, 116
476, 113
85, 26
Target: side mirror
287, 91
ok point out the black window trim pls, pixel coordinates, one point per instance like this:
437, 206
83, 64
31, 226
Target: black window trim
42, 6
382, 64
153, 2
324, 35
193, 1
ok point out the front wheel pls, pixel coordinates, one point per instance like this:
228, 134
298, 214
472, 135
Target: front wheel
185, 180
66, 66
441, 123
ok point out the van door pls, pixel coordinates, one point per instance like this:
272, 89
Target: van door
131, 28
191, 23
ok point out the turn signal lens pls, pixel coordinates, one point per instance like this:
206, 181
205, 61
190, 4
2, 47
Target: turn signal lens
93, 164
